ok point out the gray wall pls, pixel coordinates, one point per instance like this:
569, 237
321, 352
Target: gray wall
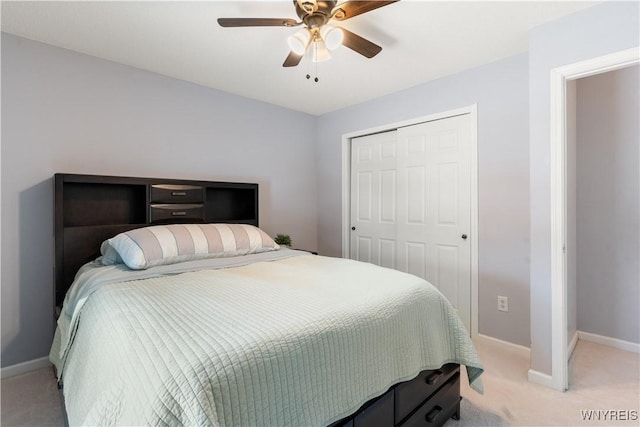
67, 112
595, 31
608, 193
500, 90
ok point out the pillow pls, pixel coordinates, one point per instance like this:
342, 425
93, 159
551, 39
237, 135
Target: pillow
109, 255
169, 244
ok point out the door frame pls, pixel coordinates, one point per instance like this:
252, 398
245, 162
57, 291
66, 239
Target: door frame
558, 165
472, 110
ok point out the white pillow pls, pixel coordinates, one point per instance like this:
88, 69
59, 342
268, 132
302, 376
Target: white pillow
109, 254
168, 244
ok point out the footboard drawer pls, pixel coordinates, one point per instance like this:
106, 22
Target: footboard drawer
410, 394
440, 407
379, 414
429, 399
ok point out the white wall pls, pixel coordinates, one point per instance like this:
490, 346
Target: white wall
608, 204
500, 90
599, 30
67, 112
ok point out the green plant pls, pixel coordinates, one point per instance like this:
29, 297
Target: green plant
283, 239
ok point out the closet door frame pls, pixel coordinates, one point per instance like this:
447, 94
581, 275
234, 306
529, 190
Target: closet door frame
472, 110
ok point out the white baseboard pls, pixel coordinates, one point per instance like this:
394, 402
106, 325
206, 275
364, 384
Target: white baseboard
540, 378
572, 344
533, 376
611, 342
24, 367
517, 347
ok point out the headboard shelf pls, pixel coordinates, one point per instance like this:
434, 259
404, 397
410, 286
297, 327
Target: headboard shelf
87, 204
232, 204
92, 208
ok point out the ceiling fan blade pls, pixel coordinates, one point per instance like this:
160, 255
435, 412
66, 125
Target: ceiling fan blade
258, 22
357, 7
359, 44
292, 60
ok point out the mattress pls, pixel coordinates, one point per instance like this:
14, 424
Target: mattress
283, 338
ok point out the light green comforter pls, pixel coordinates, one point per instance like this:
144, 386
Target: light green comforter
299, 341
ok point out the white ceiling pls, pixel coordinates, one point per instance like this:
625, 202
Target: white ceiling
421, 40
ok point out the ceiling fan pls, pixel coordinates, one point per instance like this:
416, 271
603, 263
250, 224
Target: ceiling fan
318, 36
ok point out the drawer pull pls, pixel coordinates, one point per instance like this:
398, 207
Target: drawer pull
178, 193
181, 213
433, 414
433, 378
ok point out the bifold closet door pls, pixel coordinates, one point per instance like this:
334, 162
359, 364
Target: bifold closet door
411, 204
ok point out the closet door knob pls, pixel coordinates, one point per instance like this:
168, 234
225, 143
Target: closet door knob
353, 228
464, 236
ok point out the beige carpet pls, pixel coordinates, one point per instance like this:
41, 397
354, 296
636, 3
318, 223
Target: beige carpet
601, 378
31, 399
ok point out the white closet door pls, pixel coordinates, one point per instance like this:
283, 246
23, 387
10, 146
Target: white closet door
373, 199
411, 204
434, 207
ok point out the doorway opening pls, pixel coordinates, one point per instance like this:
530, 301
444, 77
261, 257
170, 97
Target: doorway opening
560, 77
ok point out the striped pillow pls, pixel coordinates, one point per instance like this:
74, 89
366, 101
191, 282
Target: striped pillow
169, 244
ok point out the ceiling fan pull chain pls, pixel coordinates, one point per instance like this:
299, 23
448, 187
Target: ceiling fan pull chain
309, 68
316, 79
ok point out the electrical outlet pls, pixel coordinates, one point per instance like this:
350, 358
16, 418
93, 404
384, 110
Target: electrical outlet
503, 303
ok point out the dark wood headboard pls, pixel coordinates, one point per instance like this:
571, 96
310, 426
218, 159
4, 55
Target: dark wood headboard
91, 208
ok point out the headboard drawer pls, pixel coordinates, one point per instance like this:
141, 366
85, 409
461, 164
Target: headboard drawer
161, 213
171, 193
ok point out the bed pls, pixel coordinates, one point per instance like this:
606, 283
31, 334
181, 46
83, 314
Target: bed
256, 337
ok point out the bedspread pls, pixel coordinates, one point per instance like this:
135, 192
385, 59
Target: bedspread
299, 341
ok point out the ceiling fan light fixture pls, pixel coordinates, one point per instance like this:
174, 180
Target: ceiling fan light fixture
332, 36
319, 51
299, 41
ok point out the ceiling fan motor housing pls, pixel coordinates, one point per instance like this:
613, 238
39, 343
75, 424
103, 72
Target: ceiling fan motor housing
314, 13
